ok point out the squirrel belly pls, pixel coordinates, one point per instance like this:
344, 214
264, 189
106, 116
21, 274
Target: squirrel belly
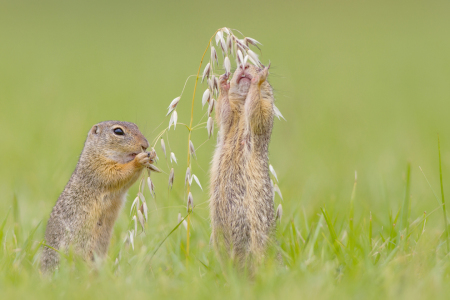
83, 217
241, 199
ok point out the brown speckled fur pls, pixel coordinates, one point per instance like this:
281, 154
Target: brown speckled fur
84, 215
242, 212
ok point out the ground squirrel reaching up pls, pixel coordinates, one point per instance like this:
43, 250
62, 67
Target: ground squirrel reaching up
112, 159
242, 211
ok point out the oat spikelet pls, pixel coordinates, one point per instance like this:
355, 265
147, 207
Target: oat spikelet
131, 238
173, 105
135, 223
173, 120
277, 190
135, 203
240, 58
171, 178
173, 157
206, 97
229, 43
279, 212
151, 187
254, 56
153, 168
197, 181
145, 210
249, 40
180, 218
190, 202
219, 36
206, 71
214, 57
141, 219
163, 146
192, 149
253, 61
210, 126
272, 170
215, 84
226, 30
227, 65
223, 45
277, 113
188, 175
211, 106
210, 82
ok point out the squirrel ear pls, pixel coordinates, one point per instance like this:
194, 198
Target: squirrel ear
95, 129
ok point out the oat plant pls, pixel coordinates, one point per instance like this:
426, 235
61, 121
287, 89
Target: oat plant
224, 47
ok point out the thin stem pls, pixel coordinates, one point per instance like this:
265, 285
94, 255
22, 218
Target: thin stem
352, 199
188, 229
189, 139
198, 125
162, 132
430, 186
186, 83
442, 194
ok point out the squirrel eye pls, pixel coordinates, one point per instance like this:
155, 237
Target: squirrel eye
118, 131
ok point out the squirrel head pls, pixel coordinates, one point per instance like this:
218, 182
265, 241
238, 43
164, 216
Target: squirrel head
115, 140
242, 77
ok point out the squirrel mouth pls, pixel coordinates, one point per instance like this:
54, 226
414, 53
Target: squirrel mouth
131, 156
244, 76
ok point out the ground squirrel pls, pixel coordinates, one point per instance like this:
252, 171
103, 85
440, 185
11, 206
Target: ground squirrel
112, 159
242, 211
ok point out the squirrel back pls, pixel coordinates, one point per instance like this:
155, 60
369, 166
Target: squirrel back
112, 159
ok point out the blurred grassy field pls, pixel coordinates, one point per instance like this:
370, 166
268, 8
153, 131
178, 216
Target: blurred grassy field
363, 85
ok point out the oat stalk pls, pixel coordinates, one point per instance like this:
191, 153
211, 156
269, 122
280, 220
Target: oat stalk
189, 142
233, 46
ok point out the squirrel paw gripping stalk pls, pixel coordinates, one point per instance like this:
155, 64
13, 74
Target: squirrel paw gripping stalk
242, 209
113, 158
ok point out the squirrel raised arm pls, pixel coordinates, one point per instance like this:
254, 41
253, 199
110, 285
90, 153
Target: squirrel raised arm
241, 204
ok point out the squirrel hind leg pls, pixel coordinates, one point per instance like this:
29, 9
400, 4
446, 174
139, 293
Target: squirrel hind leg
49, 260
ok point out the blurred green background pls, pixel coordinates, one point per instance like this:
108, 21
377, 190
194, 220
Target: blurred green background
363, 85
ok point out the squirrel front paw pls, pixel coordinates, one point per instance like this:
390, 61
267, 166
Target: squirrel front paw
261, 75
146, 159
143, 159
223, 82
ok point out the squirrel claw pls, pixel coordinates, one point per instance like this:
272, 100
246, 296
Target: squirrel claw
261, 76
224, 77
223, 81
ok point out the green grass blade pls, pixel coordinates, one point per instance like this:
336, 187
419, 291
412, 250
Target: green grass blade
172, 231
404, 224
370, 231
442, 195
351, 238
315, 236
334, 239
2, 227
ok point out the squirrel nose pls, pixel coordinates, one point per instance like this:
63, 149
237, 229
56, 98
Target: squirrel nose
144, 144
245, 67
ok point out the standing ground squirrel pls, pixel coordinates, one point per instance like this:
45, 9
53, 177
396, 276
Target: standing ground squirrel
242, 212
112, 159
